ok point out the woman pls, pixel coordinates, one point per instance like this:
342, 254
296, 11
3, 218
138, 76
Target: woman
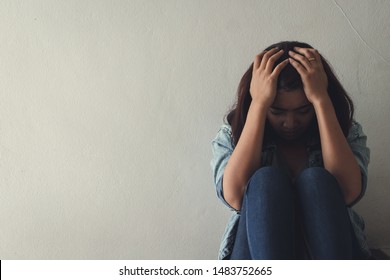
291, 161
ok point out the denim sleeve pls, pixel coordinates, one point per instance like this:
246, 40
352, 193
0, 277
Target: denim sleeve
358, 143
222, 150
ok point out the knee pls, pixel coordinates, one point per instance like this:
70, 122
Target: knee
315, 176
266, 171
315, 173
316, 182
268, 180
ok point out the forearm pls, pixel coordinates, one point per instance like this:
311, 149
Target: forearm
246, 157
337, 154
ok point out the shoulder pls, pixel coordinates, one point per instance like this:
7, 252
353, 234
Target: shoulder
356, 132
224, 136
226, 129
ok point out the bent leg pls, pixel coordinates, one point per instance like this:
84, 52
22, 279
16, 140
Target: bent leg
265, 230
324, 215
241, 247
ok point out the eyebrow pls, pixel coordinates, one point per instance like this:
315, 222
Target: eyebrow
296, 109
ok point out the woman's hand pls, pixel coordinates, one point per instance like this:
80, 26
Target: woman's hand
265, 77
308, 64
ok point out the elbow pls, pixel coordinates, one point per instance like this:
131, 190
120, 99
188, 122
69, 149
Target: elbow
350, 200
233, 194
353, 195
351, 187
233, 202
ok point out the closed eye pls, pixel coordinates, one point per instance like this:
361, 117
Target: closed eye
273, 112
303, 112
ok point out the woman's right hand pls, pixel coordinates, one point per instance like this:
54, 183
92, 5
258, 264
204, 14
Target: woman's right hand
265, 76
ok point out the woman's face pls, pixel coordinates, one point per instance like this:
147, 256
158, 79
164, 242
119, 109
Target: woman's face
291, 114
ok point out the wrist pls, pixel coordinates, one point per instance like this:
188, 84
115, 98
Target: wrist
323, 101
257, 110
259, 105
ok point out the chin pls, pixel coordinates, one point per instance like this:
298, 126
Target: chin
290, 137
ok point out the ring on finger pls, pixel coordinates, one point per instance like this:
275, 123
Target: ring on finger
311, 58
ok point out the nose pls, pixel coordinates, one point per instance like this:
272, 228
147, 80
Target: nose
290, 122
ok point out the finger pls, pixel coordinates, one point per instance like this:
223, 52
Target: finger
266, 57
256, 63
272, 60
301, 70
303, 51
316, 55
308, 52
280, 67
301, 58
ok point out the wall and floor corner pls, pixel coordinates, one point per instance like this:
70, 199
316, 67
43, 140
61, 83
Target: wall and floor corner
108, 108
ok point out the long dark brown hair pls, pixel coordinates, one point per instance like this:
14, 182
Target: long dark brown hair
289, 79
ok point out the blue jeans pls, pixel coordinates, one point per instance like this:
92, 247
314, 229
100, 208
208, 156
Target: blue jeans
282, 220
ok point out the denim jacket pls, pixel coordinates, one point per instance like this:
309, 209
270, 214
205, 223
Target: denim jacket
222, 147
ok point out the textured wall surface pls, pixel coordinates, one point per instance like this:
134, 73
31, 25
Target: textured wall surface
108, 109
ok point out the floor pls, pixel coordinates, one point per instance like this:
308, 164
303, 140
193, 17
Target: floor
380, 254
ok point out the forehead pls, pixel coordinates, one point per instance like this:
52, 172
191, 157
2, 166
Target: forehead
290, 100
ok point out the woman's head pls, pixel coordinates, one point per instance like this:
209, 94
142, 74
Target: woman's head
289, 80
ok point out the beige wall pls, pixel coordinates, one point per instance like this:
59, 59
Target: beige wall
108, 108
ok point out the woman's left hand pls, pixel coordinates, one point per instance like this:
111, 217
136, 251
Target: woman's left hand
309, 65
